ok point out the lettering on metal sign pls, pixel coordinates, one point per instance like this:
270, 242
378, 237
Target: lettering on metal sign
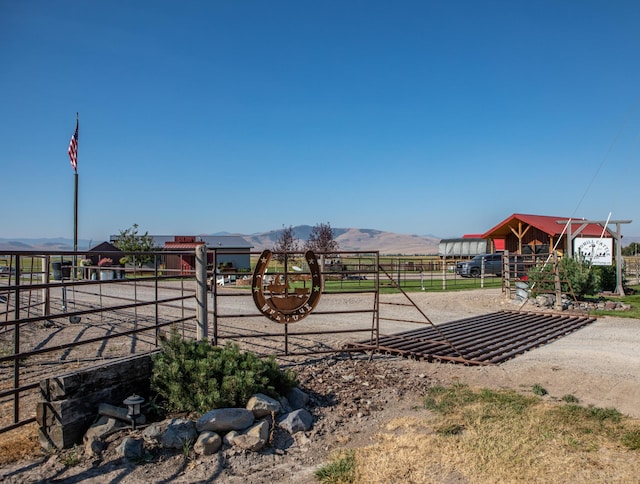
283, 304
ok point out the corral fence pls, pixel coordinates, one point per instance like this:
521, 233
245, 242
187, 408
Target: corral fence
60, 312
58, 315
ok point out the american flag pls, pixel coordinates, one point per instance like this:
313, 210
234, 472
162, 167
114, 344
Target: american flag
73, 149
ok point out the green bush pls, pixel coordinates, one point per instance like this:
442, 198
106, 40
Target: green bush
607, 277
194, 376
577, 277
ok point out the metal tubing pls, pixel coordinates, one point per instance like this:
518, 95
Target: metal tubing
201, 292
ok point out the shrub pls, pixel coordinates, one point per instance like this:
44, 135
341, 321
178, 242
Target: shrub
576, 277
194, 376
607, 277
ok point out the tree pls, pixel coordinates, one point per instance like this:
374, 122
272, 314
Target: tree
632, 249
322, 239
130, 241
286, 242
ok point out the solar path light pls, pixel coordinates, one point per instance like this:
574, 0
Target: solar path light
133, 408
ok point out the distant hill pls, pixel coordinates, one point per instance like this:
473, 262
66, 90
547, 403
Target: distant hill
44, 244
356, 239
348, 238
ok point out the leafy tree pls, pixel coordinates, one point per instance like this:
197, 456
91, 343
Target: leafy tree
130, 241
632, 249
287, 242
322, 239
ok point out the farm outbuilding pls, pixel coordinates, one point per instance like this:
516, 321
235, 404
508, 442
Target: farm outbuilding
538, 234
105, 249
464, 247
231, 252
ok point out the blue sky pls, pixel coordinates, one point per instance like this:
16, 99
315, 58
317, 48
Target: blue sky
417, 117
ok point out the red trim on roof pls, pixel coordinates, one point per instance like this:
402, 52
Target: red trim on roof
549, 225
182, 245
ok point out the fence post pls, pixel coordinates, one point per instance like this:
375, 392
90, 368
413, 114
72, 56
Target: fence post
506, 273
556, 279
46, 294
201, 292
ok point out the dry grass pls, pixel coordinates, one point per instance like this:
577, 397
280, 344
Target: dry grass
504, 439
20, 443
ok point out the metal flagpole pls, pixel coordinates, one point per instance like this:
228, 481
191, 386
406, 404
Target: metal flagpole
73, 155
75, 215
75, 202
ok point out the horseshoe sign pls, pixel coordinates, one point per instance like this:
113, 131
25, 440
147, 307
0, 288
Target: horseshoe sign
284, 305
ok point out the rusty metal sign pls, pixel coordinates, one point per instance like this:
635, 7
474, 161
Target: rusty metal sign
283, 304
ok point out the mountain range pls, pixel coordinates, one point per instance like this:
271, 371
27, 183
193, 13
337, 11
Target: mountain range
347, 238
355, 239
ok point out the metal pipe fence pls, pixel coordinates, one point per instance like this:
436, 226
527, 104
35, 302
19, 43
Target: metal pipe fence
59, 316
60, 312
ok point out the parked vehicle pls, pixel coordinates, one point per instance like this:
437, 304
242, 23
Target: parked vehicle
493, 265
473, 267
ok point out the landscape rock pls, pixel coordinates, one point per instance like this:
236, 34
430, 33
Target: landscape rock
297, 421
179, 431
263, 405
545, 300
94, 437
153, 433
254, 438
229, 437
548, 301
131, 448
208, 443
297, 398
93, 446
224, 419
610, 305
285, 406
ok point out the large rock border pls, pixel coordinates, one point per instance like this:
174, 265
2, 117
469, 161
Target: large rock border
247, 429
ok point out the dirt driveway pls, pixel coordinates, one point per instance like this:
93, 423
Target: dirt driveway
599, 364
353, 397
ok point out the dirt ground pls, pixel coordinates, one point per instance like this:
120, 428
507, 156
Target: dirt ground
353, 396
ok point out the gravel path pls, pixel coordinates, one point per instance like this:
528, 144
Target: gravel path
353, 397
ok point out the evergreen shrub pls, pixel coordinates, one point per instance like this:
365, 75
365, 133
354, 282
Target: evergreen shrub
194, 376
576, 276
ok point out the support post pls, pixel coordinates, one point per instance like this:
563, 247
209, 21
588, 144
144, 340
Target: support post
46, 295
201, 292
506, 274
619, 261
556, 281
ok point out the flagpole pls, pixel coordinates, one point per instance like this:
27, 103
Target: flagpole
75, 203
75, 214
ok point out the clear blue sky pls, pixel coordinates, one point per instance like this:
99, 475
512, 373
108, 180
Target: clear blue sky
417, 117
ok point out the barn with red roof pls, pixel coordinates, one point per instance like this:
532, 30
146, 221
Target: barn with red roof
535, 234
